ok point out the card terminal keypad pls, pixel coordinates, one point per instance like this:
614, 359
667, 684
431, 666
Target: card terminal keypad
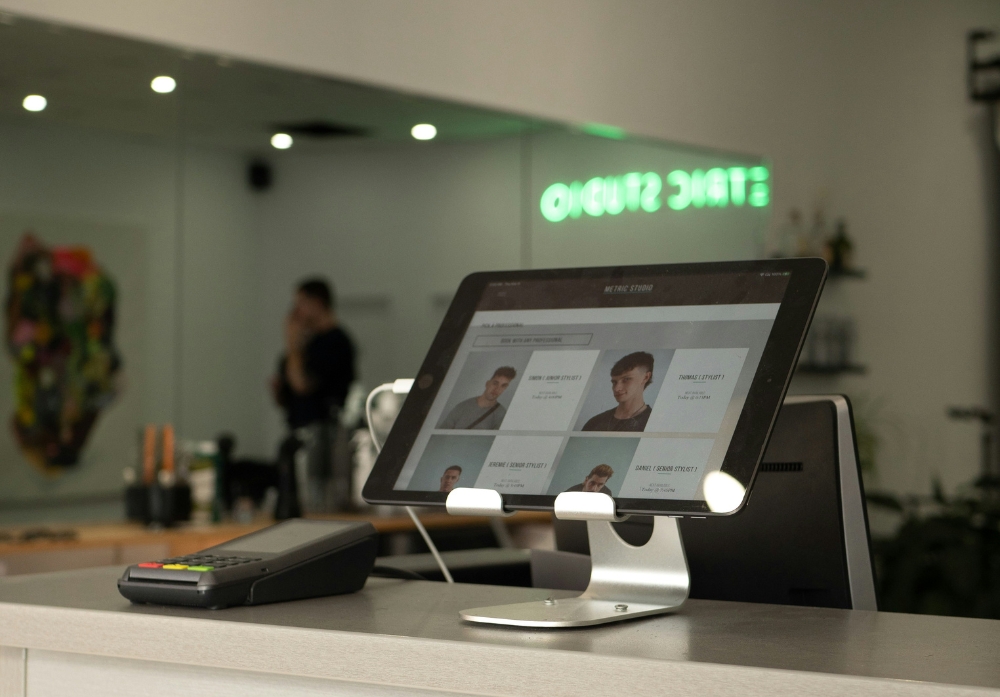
199, 562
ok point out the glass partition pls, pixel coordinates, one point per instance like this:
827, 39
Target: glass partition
158, 212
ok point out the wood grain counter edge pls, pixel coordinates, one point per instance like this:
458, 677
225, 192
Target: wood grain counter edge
199, 537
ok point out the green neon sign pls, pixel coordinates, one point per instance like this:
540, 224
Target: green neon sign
719, 187
602, 130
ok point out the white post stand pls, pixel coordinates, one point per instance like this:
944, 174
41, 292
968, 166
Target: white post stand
625, 581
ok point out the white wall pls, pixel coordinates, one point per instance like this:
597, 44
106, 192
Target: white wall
860, 103
220, 382
908, 173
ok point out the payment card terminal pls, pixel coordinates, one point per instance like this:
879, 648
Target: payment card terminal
292, 560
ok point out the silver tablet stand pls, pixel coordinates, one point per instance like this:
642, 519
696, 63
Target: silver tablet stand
625, 581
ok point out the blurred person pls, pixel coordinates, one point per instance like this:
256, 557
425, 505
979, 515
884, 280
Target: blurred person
317, 368
313, 378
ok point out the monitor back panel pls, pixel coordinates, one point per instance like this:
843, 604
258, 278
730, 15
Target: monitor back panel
787, 547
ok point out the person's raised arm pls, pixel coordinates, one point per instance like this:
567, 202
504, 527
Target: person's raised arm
295, 364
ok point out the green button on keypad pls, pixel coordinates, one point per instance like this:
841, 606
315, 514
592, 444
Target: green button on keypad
200, 568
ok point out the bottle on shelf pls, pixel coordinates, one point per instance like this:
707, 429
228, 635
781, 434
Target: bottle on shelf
839, 249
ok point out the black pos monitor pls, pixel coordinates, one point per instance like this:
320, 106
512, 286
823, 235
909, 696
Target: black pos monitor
802, 538
598, 394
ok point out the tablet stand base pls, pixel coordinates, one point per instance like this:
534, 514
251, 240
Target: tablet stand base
626, 582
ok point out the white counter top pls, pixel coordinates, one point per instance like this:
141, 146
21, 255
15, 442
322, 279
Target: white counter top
403, 637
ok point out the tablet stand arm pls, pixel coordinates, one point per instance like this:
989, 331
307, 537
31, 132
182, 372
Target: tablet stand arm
625, 581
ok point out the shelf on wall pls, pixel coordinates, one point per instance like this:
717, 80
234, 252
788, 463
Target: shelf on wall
821, 369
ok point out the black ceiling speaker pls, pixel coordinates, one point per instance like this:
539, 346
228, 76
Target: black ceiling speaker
260, 175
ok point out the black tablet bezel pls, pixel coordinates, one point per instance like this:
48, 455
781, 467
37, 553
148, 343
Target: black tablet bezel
753, 428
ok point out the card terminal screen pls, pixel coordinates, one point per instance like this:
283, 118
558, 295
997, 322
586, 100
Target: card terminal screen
280, 538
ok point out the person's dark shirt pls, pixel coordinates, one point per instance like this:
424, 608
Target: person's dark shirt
579, 487
606, 421
328, 360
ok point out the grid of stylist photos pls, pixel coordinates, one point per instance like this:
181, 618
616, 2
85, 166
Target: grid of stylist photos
631, 423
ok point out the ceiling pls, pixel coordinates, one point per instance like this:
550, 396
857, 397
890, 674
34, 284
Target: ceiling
97, 81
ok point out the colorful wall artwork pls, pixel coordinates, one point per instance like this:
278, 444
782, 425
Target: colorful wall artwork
60, 322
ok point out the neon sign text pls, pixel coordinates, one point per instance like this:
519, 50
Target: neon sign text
716, 188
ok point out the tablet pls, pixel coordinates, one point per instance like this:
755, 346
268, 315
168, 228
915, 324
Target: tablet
639, 382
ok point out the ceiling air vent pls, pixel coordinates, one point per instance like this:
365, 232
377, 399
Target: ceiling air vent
320, 129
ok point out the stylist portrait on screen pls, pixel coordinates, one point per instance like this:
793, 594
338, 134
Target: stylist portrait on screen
482, 412
596, 481
630, 376
450, 478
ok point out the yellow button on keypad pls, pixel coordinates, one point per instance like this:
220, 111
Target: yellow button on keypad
175, 566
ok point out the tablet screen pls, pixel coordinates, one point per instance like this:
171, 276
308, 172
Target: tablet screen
633, 388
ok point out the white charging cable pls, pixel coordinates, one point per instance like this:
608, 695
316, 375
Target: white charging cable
403, 386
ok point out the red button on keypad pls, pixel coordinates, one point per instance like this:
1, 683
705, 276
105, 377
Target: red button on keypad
150, 565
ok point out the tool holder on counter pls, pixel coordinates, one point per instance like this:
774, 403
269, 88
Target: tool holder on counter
626, 581
157, 504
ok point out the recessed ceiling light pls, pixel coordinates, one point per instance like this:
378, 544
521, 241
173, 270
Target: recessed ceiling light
423, 131
34, 102
282, 141
164, 84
